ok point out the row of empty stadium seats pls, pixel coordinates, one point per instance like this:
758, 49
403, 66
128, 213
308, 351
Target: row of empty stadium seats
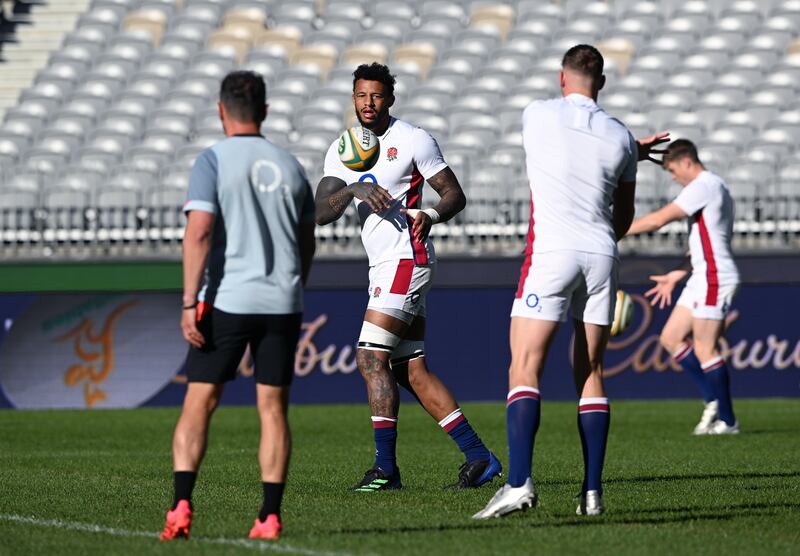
122, 109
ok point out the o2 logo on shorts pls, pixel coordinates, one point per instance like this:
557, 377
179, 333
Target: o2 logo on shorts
376, 292
725, 308
414, 298
368, 177
532, 301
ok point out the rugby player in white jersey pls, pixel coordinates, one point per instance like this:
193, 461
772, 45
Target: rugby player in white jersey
394, 231
581, 166
713, 282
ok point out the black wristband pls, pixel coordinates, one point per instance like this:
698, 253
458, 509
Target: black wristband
187, 307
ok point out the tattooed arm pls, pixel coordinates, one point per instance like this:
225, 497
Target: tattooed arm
333, 196
452, 201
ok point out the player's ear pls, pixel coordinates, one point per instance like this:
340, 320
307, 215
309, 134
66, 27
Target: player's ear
266, 110
390, 101
601, 82
562, 79
221, 109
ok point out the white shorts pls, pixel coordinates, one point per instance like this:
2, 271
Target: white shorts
556, 280
398, 288
707, 302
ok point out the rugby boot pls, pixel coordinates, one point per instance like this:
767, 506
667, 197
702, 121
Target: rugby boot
476, 473
270, 528
508, 500
179, 521
721, 427
591, 503
377, 479
710, 414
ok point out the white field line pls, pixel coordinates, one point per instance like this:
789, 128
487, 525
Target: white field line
278, 547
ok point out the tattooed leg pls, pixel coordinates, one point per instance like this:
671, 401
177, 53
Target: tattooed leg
382, 391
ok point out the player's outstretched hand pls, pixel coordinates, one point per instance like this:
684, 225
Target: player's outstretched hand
373, 194
662, 291
647, 144
189, 327
422, 224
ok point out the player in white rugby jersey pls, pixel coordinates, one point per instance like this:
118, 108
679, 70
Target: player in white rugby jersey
713, 282
394, 231
581, 166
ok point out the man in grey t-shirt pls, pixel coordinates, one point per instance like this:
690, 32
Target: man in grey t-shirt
247, 252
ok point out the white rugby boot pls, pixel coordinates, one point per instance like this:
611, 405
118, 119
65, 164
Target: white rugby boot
721, 427
509, 499
710, 414
591, 503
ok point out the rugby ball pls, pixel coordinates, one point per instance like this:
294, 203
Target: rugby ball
359, 148
623, 313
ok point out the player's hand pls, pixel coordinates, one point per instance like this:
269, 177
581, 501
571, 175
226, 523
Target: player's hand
647, 144
421, 226
373, 194
189, 327
662, 291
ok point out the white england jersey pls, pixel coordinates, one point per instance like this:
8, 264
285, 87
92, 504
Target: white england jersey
409, 156
709, 205
576, 155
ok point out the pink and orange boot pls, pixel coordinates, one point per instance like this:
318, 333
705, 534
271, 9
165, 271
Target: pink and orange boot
270, 528
179, 521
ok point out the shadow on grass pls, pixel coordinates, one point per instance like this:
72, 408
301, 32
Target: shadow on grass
683, 477
671, 516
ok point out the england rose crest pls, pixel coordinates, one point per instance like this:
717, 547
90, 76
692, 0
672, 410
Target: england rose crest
391, 154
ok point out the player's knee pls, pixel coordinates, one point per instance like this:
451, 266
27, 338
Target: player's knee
669, 342
705, 352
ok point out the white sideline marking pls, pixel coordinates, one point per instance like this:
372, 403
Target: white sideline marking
279, 546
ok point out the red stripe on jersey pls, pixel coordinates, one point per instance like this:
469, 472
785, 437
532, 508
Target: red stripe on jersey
522, 395
402, 276
452, 424
711, 264
414, 200
384, 424
526, 264
593, 407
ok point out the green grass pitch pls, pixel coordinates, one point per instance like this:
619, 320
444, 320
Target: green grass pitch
99, 483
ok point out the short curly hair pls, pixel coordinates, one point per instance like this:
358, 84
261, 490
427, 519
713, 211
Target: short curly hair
375, 72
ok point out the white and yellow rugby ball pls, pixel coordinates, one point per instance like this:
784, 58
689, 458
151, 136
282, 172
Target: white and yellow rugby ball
359, 148
623, 313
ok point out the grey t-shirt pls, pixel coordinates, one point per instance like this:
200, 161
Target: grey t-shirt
260, 196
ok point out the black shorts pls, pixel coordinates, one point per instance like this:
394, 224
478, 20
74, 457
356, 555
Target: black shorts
272, 340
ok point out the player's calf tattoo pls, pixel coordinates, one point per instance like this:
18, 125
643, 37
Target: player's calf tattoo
381, 386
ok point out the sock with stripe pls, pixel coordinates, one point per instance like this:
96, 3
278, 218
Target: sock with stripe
594, 418
716, 372
273, 494
522, 422
184, 485
688, 361
468, 441
385, 430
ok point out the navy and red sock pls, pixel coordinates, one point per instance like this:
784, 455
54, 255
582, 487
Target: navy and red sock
462, 433
594, 418
688, 361
522, 421
385, 431
716, 372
